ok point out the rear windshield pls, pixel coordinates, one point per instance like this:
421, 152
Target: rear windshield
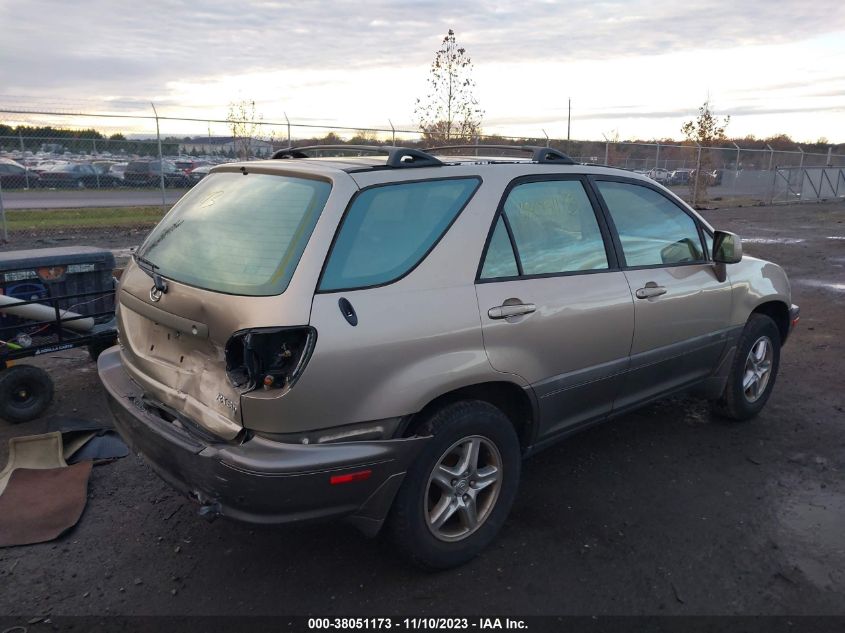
237, 234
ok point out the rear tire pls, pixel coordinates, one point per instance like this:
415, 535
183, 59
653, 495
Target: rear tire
473, 493
753, 372
25, 393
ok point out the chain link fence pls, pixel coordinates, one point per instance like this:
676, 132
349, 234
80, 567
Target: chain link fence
105, 180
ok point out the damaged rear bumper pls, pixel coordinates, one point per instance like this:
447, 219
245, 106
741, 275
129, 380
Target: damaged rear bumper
261, 481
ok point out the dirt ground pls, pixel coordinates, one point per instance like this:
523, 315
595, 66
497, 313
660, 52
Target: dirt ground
665, 511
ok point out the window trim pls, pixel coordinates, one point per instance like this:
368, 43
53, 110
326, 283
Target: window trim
604, 230
594, 179
318, 290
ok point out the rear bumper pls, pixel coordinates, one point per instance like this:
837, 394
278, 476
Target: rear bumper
260, 481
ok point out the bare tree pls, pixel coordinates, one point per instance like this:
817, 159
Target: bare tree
705, 130
245, 125
450, 110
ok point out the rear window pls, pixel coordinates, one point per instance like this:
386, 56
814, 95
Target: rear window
237, 234
388, 229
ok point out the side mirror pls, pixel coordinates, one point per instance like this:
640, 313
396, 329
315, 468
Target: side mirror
727, 248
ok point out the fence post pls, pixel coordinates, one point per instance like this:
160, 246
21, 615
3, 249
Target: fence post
829, 156
547, 137
771, 156
657, 157
3, 217
393, 132
736, 167
697, 177
287, 120
160, 160
606, 152
26, 173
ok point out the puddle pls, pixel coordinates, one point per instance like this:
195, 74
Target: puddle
817, 283
816, 519
773, 240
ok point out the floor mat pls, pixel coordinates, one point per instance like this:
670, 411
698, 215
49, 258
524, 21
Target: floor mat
34, 452
41, 504
105, 446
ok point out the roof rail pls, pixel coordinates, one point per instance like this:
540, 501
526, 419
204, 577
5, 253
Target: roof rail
396, 156
538, 154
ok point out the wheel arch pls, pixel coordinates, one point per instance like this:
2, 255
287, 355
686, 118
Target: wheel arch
516, 402
778, 312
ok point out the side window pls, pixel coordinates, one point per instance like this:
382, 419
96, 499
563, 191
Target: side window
500, 260
653, 229
389, 229
555, 228
708, 244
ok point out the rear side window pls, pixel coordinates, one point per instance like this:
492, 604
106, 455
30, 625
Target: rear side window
554, 228
389, 229
237, 234
654, 231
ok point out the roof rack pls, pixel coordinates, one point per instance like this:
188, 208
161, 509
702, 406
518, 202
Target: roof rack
538, 154
396, 156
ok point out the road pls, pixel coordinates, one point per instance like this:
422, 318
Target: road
75, 199
668, 510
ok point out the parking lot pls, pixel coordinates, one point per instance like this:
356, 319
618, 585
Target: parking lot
665, 511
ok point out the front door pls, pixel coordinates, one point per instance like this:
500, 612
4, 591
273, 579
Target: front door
555, 308
682, 309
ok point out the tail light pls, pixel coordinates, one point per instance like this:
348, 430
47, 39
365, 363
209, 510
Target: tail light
271, 358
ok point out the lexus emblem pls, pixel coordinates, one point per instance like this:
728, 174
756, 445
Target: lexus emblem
155, 294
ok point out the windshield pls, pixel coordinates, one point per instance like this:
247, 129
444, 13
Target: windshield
238, 234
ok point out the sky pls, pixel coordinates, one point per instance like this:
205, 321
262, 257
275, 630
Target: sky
632, 68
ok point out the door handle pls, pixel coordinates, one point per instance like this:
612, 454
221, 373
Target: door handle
650, 291
510, 310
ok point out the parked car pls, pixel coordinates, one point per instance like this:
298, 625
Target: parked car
105, 177
15, 176
386, 337
118, 170
680, 177
198, 173
69, 176
658, 174
147, 173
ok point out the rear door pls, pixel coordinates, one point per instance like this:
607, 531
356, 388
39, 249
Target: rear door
555, 307
682, 308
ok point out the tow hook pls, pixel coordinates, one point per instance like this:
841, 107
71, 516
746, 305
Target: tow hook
209, 511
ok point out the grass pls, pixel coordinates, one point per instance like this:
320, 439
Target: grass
21, 220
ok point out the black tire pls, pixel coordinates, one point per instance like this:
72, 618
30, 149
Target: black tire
736, 403
25, 393
407, 525
95, 349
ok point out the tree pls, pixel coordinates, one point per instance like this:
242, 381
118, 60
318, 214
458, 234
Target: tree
705, 131
244, 123
450, 110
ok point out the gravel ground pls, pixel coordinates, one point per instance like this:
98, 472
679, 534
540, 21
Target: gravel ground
665, 511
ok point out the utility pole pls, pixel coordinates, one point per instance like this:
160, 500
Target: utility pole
160, 161
568, 121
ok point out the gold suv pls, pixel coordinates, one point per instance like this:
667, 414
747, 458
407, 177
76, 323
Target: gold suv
384, 335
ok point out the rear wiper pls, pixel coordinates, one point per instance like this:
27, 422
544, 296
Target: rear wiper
148, 267
145, 264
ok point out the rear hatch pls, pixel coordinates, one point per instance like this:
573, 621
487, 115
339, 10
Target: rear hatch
207, 311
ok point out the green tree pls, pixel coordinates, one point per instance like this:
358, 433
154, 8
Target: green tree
705, 130
449, 111
244, 123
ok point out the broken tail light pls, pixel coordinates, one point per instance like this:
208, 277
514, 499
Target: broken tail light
271, 358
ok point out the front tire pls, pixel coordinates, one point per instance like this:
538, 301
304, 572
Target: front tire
754, 370
459, 491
